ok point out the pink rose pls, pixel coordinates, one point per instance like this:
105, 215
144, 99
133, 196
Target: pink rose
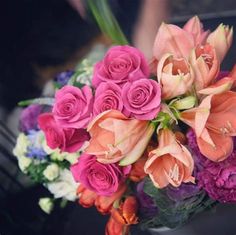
68, 140
142, 99
104, 179
120, 64
107, 96
73, 106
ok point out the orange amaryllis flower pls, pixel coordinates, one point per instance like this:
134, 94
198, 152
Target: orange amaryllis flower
205, 66
233, 75
172, 39
126, 213
195, 27
221, 39
114, 137
214, 122
224, 84
175, 76
115, 228
233, 72
171, 163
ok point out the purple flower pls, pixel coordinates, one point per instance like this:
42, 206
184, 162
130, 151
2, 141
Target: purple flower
146, 204
29, 116
199, 160
182, 192
63, 78
218, 179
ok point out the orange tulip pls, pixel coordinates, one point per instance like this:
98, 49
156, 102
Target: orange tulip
114, 137
195, 27
214, 122
104, 204
175, 76
137, 171
221, 39
171, 163
88, 198
115, 228
205, 66
126, 213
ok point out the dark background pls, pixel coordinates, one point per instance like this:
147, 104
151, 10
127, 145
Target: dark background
19, 211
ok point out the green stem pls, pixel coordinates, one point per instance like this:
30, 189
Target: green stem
106, 21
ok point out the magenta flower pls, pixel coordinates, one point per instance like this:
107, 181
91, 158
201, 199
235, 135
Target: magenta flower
104, 179
142, 99
68, 140
120, 64
73, 106
107, 96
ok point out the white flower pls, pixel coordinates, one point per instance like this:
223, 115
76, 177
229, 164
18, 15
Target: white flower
46, 204
24, 163
57, 155
72, 157
21, 146
64, 187
51, 172
46, 148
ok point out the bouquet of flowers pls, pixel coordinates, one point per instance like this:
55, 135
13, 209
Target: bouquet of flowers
147, 142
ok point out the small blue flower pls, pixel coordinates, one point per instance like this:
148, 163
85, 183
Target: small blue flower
37, 153
63, 78
35, 149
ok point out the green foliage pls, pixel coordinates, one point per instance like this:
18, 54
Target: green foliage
35, 172
42, 101
106, 21
172, 213
62, 164
83, 74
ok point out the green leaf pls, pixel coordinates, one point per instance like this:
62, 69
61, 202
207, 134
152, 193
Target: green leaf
63, 203
172, 213
106, 21
35, 172
150, 189
41, 101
